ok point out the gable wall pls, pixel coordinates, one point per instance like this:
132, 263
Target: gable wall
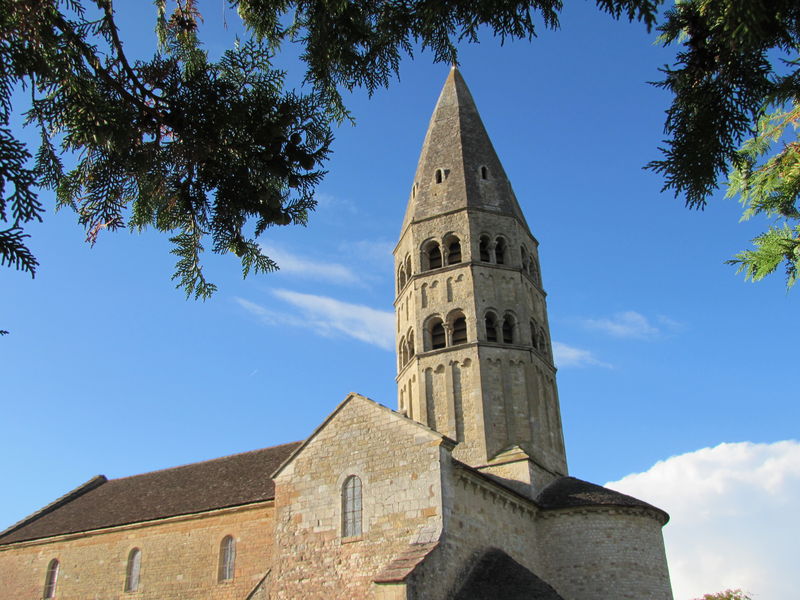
478, 516
399, 466
179, 559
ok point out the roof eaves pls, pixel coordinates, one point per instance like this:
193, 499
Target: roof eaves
93, 483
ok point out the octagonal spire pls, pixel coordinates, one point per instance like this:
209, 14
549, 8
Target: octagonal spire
458, 167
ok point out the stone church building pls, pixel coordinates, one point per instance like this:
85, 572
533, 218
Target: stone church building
462, 493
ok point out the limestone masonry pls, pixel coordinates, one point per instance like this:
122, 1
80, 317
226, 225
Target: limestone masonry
460, 494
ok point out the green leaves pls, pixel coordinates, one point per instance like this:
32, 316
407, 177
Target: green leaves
210, 153
736, 64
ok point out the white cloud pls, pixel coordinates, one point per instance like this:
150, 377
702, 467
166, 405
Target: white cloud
311, 269
329, 317
734, 517
628, 324
569, 356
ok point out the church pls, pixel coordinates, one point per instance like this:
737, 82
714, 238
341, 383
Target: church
461, 493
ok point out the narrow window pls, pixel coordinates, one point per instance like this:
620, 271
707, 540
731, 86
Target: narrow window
434, 256
438, 176
51, 579
438, 339
508, 331
401, 278
408, 267
132, 570
524, 254
491, 328
484, 173
454, 253
534, 335
351, 507
484, 249
410, 345
460, 331
401, 350
227, 558
500, 252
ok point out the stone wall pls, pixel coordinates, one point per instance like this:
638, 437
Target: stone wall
479, 515
180, 558
398, 463
602, 553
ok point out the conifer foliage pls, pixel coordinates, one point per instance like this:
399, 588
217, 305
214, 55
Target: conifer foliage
211, 153
735, 112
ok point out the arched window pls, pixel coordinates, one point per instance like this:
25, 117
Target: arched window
500, 251
453, 251
351, 506
227, 559
460, 331
438, 339
410, 345
524, 254
484, 248
484, 173
508, 330
534, 335
401, 278
433, 255
491, 327
408, 267
133, 570
50, 579
534, 271
401, 351
438, 176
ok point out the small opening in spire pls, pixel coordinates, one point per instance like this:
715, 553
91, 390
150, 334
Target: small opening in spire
439, 176
484, 173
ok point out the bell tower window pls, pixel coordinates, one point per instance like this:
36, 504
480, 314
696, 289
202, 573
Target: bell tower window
491, 328
500, 251
438, 339
508, 330
484, 249
460, 331
453, 251
432, 255
438, 177
484, 173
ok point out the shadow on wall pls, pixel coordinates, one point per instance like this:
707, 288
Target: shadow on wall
496, 575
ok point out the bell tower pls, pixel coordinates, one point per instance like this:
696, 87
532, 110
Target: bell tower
473, 344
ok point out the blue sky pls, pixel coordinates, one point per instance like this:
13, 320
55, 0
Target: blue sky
662, 350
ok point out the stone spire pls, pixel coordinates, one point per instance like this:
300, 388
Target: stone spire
474, 359
459, 149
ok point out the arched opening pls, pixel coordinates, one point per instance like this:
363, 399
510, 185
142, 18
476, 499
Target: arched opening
491, 327
51, 579
460, 331
408, 268
351, 506
534, 335
508, 330
438, 338
227, 559
438, 177
500, 251
432, 255
401, 278
484, 173
525, 262
410, 350
534, 271
133, 570
401, 351
484, 248
453, 251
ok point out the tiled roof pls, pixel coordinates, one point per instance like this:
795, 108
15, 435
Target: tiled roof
569, 492
223, 482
